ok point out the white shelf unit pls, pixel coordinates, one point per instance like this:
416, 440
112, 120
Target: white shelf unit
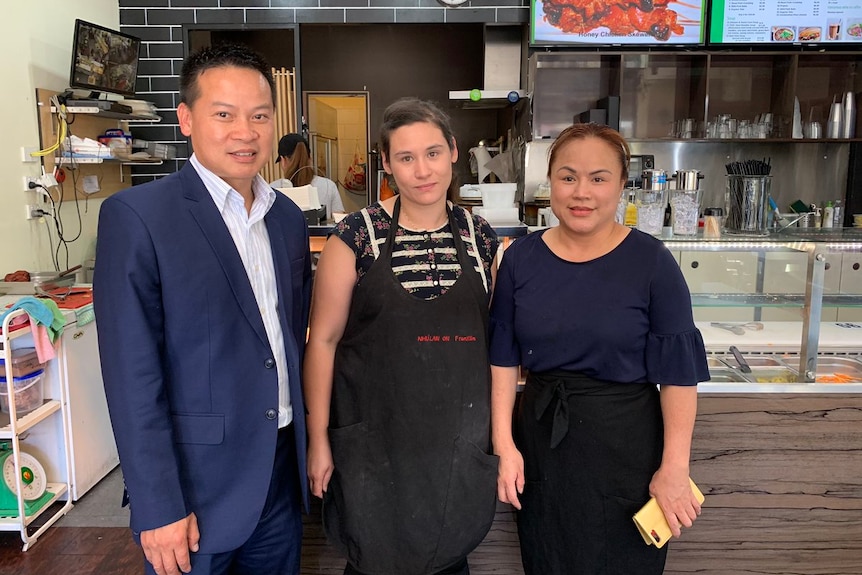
67, 161
89, 122
52, 414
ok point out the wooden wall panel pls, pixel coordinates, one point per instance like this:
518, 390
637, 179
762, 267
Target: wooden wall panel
783, 479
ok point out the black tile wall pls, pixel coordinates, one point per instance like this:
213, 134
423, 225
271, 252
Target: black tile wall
133, 17
165, 50
281, 16
244, 3
219, 16
155, 132
145, 3
148, 67
395, 4
149, 33
371, 15
165, 84
293, 3
159, 25
194, 3
418, 16
343, 3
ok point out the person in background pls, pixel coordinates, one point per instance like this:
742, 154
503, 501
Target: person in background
600, 317
298, 170
202, 296
397, 378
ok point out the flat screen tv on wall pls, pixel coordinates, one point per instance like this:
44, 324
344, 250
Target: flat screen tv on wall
104, 60
777, 24
642, 23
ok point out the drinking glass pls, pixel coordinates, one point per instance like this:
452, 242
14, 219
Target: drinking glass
650, 206
685, 206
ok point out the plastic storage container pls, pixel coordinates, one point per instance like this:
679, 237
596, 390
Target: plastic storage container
24, 362
28, 393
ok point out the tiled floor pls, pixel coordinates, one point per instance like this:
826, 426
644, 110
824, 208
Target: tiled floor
93, 537
100, 507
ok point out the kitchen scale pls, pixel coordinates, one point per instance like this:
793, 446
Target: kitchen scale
33, 481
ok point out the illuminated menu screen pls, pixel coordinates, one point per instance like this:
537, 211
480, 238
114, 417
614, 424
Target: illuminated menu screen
785, 21
621, 22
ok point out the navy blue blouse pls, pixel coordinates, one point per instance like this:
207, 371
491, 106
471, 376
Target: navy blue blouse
624, 317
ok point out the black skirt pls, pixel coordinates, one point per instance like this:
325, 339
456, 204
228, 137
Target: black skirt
590, 450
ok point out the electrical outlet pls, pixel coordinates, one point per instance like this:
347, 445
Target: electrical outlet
25, 154
33, 212
47, 180
27, 181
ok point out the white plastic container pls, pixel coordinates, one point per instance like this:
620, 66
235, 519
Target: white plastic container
498, 195
28, 393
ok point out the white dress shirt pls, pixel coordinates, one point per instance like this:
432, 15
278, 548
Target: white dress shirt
251, 238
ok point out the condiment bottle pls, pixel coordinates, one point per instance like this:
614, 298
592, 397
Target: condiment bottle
631, 217
827, 215
667, 223
838, 214
712, 222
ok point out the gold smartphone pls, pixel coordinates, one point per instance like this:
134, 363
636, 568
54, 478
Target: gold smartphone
651, 522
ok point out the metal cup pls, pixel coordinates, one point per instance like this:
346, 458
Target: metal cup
687, 179
746, 200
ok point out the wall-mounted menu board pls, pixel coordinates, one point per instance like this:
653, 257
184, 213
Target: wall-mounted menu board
783, 22
617, 23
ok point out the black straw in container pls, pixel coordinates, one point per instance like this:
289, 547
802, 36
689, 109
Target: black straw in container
746, 196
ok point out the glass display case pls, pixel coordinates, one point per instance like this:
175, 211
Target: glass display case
791, 301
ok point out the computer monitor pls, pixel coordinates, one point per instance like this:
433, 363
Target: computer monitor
104, 60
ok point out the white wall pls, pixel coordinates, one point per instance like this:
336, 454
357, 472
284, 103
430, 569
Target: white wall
37, 43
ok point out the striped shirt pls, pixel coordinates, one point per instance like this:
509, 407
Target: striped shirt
251, 238
426, 263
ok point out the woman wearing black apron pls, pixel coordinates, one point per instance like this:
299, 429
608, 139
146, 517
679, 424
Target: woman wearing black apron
397, 378
599, 315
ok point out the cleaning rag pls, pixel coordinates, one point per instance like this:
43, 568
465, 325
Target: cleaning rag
46, 320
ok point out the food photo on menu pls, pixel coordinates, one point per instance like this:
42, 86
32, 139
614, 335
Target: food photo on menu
620, 22
809, 34
783, 34
784, 21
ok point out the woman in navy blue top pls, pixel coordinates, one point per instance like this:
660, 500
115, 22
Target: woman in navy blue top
600, 316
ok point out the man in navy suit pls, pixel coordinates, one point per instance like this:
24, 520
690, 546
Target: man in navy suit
201, 295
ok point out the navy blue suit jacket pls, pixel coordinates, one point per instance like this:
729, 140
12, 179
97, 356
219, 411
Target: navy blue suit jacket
188, 371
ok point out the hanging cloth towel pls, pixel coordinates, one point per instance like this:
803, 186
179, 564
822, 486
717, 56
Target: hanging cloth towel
46, 320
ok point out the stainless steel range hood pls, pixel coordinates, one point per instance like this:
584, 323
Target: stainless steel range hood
502, 78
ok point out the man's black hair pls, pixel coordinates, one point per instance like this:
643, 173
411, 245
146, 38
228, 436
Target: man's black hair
218, 56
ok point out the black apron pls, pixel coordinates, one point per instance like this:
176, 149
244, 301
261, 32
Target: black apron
590, 450
414, 486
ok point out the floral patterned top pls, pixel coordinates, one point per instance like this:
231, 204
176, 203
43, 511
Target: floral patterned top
426, 263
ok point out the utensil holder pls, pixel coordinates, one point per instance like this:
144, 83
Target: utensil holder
746, 202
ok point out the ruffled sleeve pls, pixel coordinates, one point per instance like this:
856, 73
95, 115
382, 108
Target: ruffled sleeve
676, 359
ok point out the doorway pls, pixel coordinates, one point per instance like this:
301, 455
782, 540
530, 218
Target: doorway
337, 125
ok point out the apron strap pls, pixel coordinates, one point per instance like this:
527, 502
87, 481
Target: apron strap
480, 267
371, 237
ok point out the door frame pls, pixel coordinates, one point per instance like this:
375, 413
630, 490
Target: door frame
307, 128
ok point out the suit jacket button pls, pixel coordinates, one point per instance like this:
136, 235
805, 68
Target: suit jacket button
271, 413
269, 364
